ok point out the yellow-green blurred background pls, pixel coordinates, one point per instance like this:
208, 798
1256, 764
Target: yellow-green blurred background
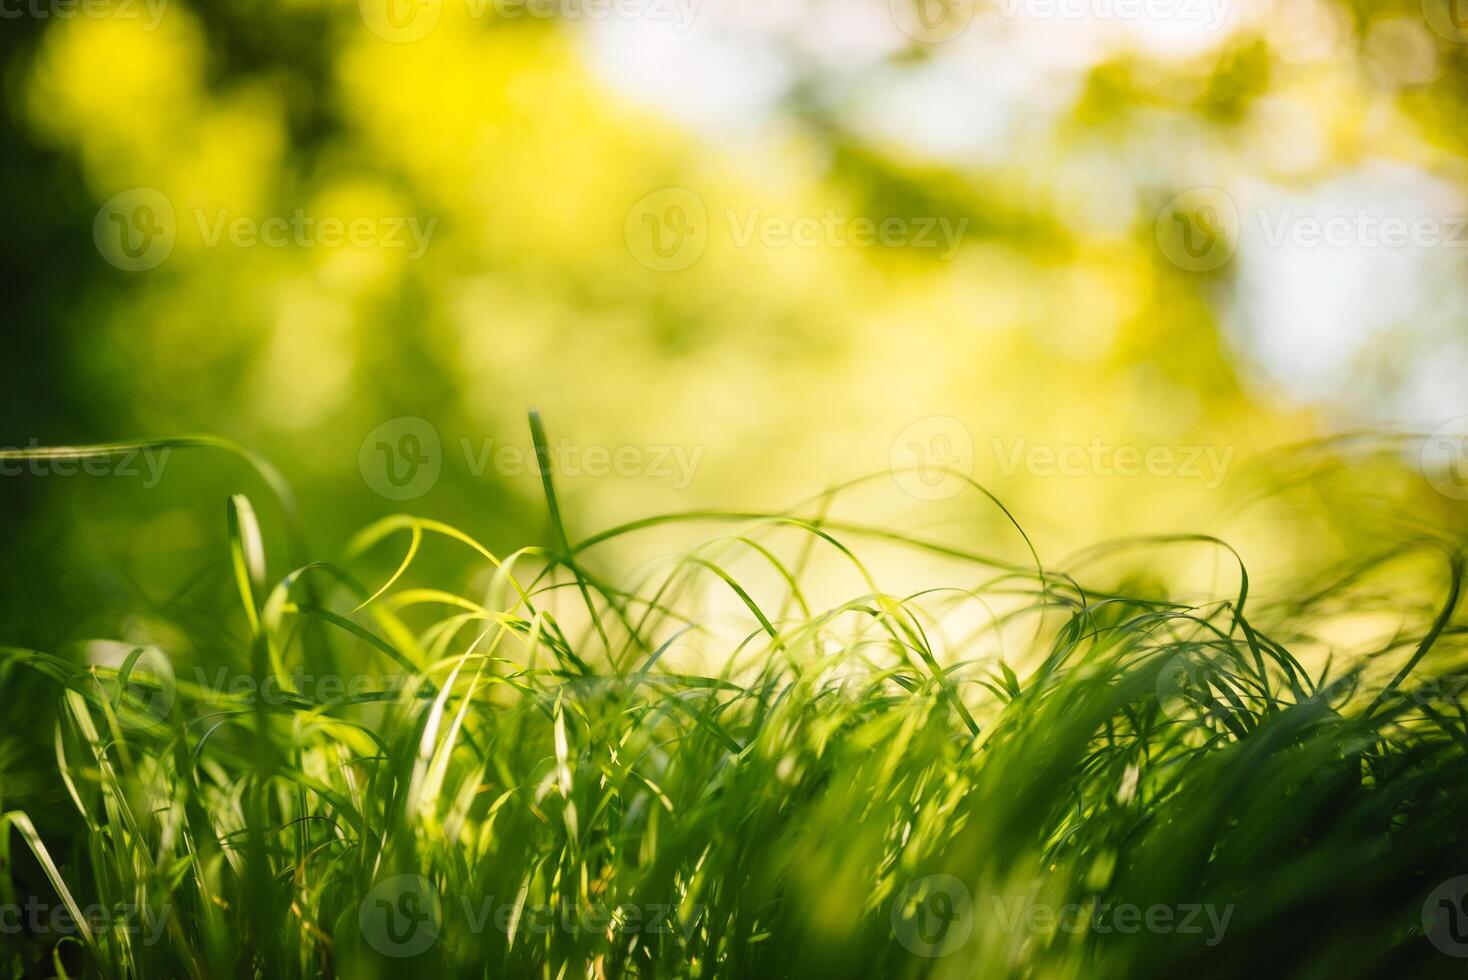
599, 191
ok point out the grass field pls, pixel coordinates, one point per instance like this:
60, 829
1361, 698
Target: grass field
1018, 771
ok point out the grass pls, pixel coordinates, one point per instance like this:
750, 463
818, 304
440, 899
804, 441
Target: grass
1019, 772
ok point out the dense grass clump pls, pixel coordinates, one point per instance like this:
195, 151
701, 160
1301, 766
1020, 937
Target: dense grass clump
707, 771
